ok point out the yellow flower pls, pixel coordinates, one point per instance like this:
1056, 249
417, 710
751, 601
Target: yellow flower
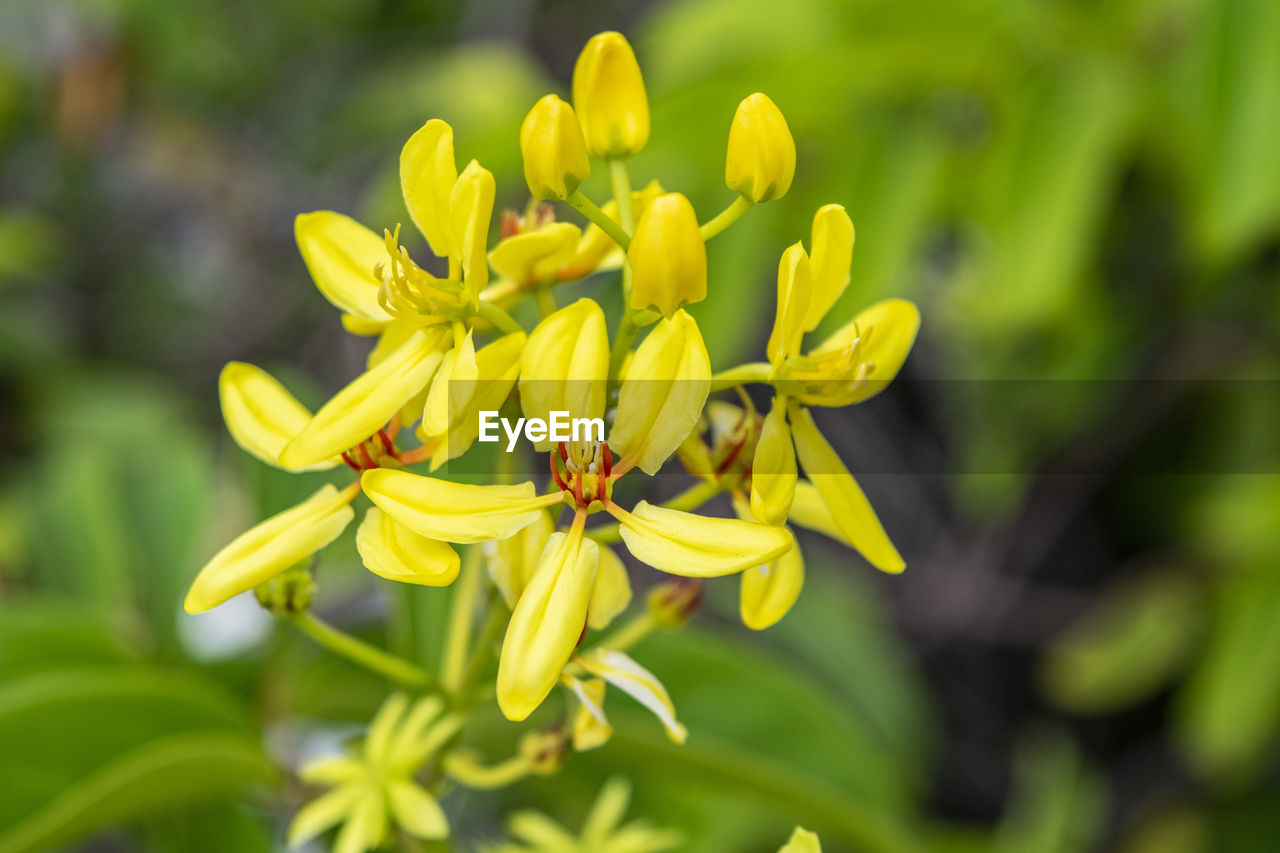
631, 678
374, 789
668, 257
596, 250
761, 158
602, 831
535, 257
802, 841
554, 152
261, 415
609, 97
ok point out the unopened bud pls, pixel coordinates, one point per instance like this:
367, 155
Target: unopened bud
545, 750
761, 157
672, 603
668, 257
609, 97
288, 593
554, 152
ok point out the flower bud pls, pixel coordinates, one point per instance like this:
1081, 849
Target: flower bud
667, 256
761, 159
672, 603
545, 750
555, 154
288, 593
608, 95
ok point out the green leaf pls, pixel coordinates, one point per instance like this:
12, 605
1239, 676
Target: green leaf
37, 635
1129, 645
153, 777
64, 725
1058, 803
1229, 711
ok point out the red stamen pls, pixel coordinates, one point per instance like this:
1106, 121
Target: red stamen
368, 458
346, 457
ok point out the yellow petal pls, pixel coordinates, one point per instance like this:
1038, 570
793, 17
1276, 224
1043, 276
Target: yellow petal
761, 157
270, 547
591, 727
810, 510
360, 326
566, 365
366, 827
533, 257
769, 590
415, 811
497, 366
452, 386
802, 841
393, 551
547, 622
428, 172
637, 682
512, 560
697, 546
609, 97
321, 813
368, 403
849, 506
260, 414
612, 591
795, 287
773, 469
888, 329
662, 397
341, 255
830, 253
668, 257
553, 150
471, 204
454, 512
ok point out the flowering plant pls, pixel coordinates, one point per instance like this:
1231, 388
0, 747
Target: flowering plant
539, 581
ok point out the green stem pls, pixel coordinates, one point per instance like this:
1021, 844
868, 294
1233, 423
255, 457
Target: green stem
482, 652
589, 209
627, 331
725, 218
635, 630
453, 663
501, 320
368, 656
622, 197
757, 371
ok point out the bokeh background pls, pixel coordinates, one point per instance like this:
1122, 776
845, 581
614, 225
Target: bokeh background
1079, 462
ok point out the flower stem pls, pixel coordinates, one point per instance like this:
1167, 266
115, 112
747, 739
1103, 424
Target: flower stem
626, 216
636, 629
341, 643
500, 319
589, 209
757, 372
545, 299
627, 331
725, 218
462, 615
482, 652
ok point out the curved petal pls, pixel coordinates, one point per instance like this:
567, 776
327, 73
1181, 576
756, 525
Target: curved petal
566, 365
454, 512
612, 590
830, 253
428, 172
415, 811
661, 400
534, 256
802, 841
321, 813
366, 828
773, 469
393, 551
453, 385
497, 365
591, 727
637, 682
341, 255
368, 403
795, 286
769, 590
261, 415
512, 560
471, 209
809, 510
697, 546
888, 329
547, 622
270, 547
848, 505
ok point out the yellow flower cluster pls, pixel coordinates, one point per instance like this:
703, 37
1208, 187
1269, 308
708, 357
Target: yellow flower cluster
448, 349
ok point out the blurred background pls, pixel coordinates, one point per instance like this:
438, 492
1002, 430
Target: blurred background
1079, 463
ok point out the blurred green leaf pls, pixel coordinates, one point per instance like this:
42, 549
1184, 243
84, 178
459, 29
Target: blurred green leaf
1230, 709
1171, 830
1132, 641
43, 634
1058, 803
